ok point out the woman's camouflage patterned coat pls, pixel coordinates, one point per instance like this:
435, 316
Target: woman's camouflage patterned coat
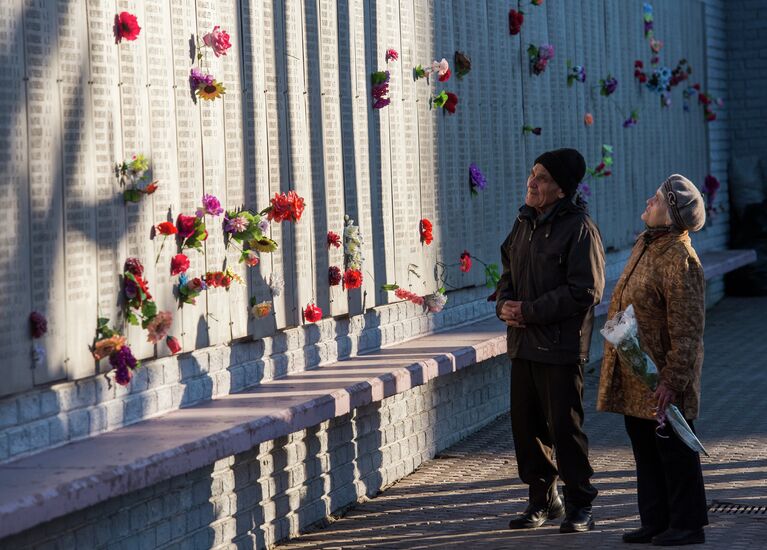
664, 280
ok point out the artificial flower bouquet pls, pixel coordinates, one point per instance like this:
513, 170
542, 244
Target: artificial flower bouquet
621, 331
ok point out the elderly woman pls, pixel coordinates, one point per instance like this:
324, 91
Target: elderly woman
664, 281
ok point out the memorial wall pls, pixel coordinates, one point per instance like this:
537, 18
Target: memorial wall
297, 114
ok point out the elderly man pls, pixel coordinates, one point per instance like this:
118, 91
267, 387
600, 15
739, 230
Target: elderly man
553, 276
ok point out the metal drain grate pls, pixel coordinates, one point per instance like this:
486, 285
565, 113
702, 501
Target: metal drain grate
735, 508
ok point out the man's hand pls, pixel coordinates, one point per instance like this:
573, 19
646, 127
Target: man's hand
665, 396
511, 313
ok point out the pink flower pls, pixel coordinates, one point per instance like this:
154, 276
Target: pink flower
157, 329
465, 262
391, 55
218, 41
210, 205
588, 119
126, 26
186, 225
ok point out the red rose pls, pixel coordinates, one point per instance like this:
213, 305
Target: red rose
179, 264
166, 228
173, 344
465, 261
352, 278
312, 313
126, 26
186, 225
452, 101
515, 21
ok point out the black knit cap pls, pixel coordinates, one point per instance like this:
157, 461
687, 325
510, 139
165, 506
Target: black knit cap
566, 166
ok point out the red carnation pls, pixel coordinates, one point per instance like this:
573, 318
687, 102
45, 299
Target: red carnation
426, 228
179, 264
352, 278
334, 275
312, 313
515, 21
186, 225
173, 344
286, 207
126, 26
166, 228
334, 240
445, 76
638, 64
151, 188
465, 261
452, 101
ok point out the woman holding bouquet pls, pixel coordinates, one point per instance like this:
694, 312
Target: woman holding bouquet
663, 279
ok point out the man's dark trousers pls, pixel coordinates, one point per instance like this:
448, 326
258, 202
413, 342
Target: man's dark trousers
670, 486
547, 416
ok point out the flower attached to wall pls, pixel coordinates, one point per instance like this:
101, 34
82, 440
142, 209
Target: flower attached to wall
259, 310
516, 18
445, 100
465, 262
441, 68
222, 279
210, 206
190, 288
158, 327
539, 57
639, 73
173, 344
276, 284
202, 83
435, 302
126, 27
710, 188
647, 18
608, 85
391, 55
425, 227
191, 232
536, 2
109, 343
38, 325
353, 244
380, 89
138, 301
179, 264
632, 120
477, 180
334, 275
403, 294
312, 313
535, 130
352, 279
249, 258
134, 176
334, 239
285, 207
601, 170
575, 73
588, 119
462, 64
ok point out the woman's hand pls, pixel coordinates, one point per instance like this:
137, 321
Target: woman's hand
665, 396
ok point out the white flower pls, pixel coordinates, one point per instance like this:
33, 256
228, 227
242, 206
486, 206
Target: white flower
276, 284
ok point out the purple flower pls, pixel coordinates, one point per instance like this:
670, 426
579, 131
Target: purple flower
123, 376
198, 79
210, 205
476, 178
584, 190
546, 52
238, 224
381, 103
130, 289
609, 85
122, 359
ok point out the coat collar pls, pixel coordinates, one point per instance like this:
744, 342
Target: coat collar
663, 241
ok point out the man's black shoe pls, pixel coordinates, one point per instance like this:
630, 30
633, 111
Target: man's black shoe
679, 537
577, 520
535, 516
643, 535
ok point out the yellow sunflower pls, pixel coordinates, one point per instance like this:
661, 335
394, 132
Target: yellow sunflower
211, 91
264, 244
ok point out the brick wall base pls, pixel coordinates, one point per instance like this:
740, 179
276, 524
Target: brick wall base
276, 490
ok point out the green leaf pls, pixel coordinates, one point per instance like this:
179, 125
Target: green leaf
148, 311
389, 288
132, 195
492, 275
132, 319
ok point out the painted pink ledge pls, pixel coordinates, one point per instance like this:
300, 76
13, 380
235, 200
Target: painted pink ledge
54, 483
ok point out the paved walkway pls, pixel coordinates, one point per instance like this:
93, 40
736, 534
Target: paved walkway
465, 497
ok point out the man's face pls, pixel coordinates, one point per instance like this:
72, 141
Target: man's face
656, 214
542, 190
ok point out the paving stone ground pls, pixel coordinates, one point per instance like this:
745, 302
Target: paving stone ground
465, 496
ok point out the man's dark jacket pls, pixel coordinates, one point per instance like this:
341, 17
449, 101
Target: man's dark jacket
554, 263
